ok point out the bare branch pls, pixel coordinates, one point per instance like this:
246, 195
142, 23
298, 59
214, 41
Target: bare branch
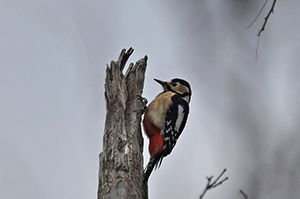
243, 194
213, 184
267, 18
258, 14
264, 25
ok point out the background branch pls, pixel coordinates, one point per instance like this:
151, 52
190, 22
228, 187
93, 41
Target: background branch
213, 184
267, 18
265, 23
262, 8
243, 194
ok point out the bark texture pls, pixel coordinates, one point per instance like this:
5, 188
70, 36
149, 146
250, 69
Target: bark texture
121, 161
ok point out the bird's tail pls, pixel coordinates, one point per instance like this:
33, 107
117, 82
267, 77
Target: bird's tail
152, 164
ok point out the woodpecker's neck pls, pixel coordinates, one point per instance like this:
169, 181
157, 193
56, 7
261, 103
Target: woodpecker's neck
187, 98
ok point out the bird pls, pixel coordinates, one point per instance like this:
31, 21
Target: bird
164, 120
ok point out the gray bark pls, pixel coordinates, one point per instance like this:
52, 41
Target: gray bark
121, 161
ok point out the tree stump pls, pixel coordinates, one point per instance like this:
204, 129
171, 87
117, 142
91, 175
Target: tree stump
121, 161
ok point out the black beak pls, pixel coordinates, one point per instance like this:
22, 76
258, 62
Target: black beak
165, 85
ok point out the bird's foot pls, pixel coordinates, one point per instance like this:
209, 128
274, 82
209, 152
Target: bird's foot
144, 102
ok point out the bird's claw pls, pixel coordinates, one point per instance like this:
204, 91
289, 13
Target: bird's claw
144, 102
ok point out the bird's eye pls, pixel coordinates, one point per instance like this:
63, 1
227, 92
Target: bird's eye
174, 84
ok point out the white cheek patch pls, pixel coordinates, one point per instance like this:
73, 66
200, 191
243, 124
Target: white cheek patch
187, 98
180, 118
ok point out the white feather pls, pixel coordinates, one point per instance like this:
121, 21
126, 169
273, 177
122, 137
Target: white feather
179, 118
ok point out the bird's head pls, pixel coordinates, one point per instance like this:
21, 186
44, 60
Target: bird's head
178, 86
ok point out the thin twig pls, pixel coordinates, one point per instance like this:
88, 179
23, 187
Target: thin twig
244, 194
257, 47
257, 15
267, 18
213, 184
264, 25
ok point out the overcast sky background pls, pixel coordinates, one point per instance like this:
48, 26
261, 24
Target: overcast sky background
244, 113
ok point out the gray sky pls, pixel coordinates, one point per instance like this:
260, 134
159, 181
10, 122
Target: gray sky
244, 113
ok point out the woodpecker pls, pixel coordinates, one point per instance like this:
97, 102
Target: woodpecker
165, 119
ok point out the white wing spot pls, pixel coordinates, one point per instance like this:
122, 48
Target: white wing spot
169, 122
170, 129
180, 117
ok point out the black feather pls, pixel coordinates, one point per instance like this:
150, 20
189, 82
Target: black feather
171, 132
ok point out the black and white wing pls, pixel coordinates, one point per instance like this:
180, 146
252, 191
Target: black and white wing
176, 118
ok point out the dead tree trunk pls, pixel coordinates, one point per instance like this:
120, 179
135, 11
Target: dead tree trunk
121, 162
